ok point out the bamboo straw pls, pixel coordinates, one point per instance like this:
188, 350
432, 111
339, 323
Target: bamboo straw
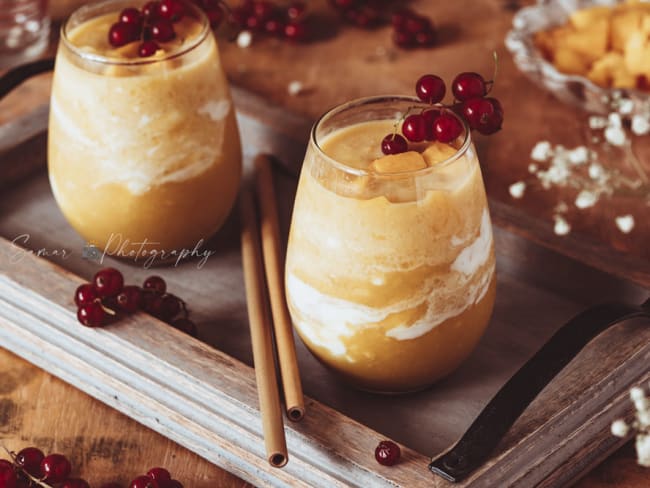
258, 316
286, 348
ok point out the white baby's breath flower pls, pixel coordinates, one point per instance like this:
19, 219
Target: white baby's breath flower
586, 199
244, 39
620, 428
644, 418
643, 449
561, 227
615, 135
542, 151
642, 405
597, 122
517, 189
640, 125
636, 393
294, 88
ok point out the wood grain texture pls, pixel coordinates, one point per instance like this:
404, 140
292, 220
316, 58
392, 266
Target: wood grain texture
41, 410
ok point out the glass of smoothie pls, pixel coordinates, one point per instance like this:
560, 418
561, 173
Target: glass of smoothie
390, 272
144, 153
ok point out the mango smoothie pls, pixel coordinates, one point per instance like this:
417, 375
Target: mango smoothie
144, 153
390, 272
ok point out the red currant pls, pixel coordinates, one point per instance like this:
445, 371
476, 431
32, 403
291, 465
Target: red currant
468, 85
108, 282
159, 474
75, 483
84, 294
447, 127
430, 117
155, 284
161, 30
30, 459
120, 34
129, 299
263, 9
92, 315
8, 477
296, 10
404, 39
426, 38
394, 144
295, 31
387, 453
416, 24
171, 10
399, 17
483, 114
131, 16
144, 482
413, 128
430, 89
151, 9
185, 325
148, 48
274, 27
170, 307
55, 468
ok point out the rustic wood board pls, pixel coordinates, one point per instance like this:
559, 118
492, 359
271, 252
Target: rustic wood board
577, 408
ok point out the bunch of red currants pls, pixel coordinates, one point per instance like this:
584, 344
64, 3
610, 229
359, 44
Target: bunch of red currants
482, 113
106, 298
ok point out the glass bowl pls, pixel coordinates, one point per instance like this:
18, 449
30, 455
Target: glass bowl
573, 89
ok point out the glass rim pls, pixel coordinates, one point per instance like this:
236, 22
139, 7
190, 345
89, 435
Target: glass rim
94, 7
358, 102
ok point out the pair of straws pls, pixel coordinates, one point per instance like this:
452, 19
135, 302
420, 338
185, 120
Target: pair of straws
263, 276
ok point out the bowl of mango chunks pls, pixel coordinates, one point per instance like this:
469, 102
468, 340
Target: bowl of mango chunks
588, 53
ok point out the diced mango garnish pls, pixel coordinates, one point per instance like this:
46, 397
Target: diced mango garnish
396, 163
438, 152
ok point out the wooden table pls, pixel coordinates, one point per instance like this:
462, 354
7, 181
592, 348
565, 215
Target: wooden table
38, 409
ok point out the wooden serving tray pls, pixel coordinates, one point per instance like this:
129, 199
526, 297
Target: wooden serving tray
202, 394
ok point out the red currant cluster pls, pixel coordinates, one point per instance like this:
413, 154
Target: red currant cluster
362, 13
155, 478
387, 453
483, 114
412, 30
152, 24
262, 16
106, 299
30, 468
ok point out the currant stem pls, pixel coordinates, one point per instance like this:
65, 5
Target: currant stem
109, 311
31, 478
495, 73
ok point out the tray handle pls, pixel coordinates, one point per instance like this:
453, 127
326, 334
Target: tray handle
487, 430
15, 76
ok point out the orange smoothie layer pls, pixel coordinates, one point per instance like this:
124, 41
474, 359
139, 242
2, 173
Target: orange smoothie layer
142, 149
390, 272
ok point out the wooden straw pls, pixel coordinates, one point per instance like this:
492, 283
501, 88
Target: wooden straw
286, 348
258, 316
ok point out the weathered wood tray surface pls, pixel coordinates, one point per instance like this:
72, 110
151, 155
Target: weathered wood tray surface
202, 394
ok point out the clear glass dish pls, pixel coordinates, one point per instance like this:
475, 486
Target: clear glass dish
572, 89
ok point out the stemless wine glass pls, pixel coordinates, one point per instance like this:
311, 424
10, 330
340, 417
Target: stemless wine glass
144, 153
390, 277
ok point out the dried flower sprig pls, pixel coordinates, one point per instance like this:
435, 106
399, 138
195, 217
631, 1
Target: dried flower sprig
640, 425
